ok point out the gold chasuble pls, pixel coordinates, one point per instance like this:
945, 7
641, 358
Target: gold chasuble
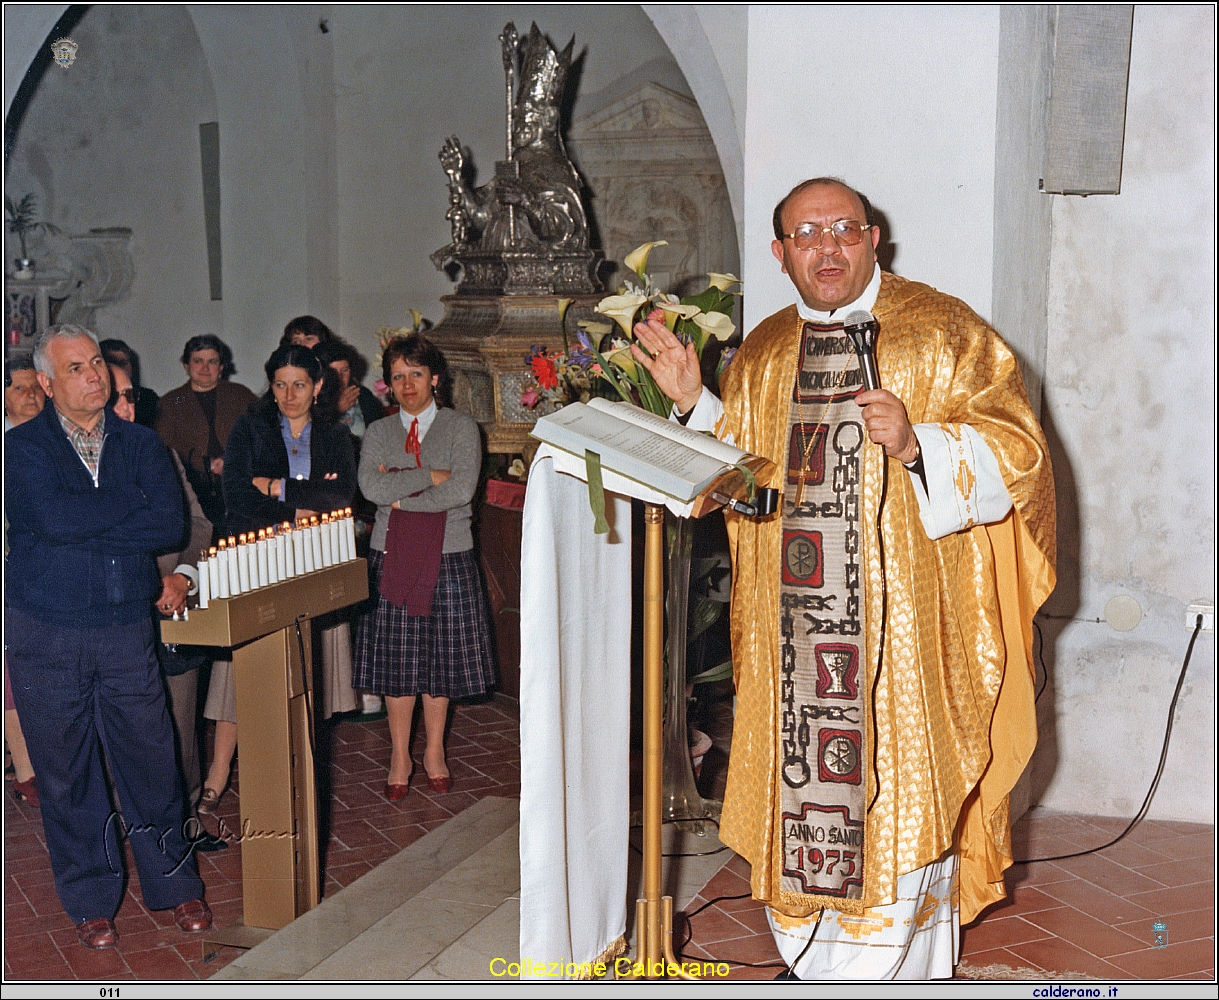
918, 756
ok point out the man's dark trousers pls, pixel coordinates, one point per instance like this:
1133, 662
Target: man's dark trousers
82, 692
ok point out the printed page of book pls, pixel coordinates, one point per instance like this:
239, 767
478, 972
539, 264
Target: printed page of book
705, 443
631, 449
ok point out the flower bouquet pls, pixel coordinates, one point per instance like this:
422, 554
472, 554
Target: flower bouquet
572, 374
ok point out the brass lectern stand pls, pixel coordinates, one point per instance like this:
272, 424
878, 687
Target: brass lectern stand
268, 631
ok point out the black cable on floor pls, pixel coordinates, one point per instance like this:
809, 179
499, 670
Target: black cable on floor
1155, 782
1045, 674
677, 951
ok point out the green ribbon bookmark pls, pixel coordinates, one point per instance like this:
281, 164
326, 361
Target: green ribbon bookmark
596, 492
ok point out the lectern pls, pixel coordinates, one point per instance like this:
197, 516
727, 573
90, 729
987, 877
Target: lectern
269, 632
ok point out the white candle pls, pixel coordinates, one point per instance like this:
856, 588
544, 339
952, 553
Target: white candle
298, 551
260, 556
204, 583
243, 566
349, 525
340, 533
281, 554
326, 537
315, 539
234, 575
220, 572
272, 569
307, 546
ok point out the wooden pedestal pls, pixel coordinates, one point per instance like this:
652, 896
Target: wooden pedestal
268, 630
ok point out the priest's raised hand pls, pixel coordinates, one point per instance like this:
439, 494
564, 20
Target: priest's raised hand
673, 365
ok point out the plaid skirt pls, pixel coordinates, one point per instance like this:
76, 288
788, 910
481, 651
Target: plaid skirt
447, 655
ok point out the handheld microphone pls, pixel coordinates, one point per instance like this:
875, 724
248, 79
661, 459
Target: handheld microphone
861, 327
765, 503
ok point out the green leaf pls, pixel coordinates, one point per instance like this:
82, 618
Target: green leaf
607, 373
711, 299
720, 672
702, 615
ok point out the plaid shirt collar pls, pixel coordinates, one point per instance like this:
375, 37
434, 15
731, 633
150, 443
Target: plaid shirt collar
88, 444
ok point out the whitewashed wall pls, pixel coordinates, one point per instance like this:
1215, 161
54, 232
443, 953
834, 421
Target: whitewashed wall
1130, 403
899, 102
114, 141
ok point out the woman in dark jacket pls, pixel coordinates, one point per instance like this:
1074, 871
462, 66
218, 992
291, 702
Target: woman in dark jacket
286, 459
289, 458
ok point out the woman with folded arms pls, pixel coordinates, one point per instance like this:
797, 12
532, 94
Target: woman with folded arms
424, 461
287, 458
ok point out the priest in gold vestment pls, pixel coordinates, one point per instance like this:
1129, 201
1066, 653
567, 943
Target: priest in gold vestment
882, 621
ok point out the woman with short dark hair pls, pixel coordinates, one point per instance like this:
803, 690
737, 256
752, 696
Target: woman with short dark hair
308, 331
195, 419
430, 634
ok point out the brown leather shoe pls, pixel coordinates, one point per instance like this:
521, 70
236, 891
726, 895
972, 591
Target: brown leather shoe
193, 916
98, 933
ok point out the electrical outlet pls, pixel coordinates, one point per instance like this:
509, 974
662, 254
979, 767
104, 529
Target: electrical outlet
1204, 608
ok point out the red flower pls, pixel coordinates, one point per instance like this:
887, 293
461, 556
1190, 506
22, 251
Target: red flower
544, 371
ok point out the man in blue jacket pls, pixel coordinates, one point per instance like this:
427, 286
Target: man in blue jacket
89, 499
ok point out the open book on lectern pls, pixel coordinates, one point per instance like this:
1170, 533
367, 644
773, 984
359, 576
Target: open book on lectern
663, 455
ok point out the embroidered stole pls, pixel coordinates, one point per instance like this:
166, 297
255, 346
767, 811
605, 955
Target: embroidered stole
825, 737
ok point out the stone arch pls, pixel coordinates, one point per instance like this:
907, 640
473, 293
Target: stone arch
684, 32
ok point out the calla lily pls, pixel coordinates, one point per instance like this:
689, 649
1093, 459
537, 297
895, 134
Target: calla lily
674, 311
593, 328
716, 324
622, 358
722, 281
621, 309
416, 319
637, 259
563, 304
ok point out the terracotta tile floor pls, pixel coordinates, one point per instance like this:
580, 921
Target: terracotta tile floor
1089, 916
40, 941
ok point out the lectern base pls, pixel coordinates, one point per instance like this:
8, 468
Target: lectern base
236, 935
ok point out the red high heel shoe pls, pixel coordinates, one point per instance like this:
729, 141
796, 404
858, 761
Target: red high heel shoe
396, 793
442, 785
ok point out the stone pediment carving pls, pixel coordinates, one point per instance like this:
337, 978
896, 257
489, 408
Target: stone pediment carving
648, 107
651, 164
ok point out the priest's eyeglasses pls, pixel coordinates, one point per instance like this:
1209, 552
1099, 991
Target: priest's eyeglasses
846, 233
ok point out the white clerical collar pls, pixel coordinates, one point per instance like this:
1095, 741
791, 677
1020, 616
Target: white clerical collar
866, 301
425, 419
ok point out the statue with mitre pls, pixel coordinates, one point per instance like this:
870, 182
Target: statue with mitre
525, 231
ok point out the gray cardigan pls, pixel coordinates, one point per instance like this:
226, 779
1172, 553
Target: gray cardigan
453, 444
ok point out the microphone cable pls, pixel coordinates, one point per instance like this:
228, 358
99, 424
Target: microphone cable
1155, 782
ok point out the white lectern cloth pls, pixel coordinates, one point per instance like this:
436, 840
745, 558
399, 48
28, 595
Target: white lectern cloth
575, 711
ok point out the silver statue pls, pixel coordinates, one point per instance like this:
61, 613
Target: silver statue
530, 214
